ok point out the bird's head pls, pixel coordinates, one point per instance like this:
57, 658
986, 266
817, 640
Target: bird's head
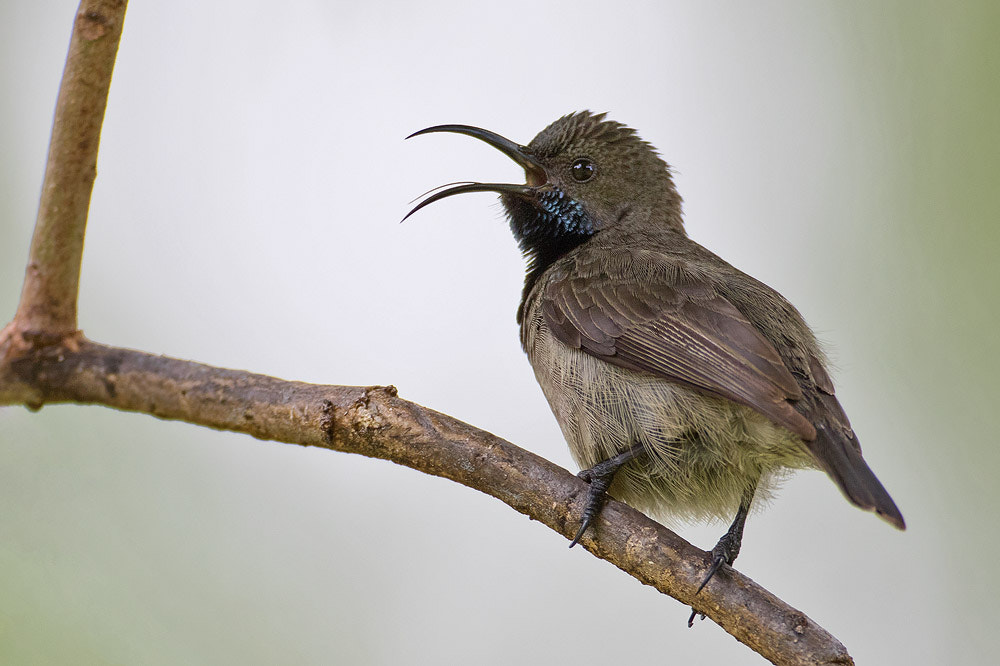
584, 174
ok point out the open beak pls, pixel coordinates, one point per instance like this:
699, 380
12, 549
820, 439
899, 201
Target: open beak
533, 171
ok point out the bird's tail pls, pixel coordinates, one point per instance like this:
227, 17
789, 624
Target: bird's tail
841, 458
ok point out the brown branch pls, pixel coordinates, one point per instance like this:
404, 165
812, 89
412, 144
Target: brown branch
375, 422
51, 280
43, 358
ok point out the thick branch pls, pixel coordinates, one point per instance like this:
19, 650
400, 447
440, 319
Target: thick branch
51, 281
375, 422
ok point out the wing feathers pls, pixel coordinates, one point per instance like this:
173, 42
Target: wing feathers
645, 314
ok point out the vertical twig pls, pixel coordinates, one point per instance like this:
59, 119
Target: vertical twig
47, 311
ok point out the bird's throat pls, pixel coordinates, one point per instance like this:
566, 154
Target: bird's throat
546, 227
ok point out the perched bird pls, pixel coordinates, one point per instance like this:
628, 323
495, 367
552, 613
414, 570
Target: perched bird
682, 385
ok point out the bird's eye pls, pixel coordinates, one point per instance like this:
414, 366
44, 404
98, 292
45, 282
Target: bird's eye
582, 170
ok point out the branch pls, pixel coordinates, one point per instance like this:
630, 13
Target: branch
375, 422
52, 278
44, 359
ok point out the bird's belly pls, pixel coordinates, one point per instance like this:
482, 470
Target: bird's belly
702, 452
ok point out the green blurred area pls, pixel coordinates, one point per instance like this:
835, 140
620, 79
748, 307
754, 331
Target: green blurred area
936, 70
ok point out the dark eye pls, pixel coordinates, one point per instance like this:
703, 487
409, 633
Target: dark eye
582, 170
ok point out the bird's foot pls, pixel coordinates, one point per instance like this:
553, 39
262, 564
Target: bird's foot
725, 552
596, 495
600, 477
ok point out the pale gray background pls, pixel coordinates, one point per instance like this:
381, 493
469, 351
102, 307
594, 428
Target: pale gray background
246, 214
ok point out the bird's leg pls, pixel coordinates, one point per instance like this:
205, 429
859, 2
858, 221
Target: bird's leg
728, 548
600, 477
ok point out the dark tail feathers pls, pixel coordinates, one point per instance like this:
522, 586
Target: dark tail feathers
841, 459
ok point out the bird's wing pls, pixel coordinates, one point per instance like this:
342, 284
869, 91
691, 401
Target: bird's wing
643, 310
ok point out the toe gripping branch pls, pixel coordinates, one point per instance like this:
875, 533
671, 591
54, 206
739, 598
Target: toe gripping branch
728, 548
600, 477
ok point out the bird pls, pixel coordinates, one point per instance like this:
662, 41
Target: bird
683, 386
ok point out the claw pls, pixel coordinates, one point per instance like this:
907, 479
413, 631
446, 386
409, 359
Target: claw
717, 562
725, 552
596, 496
728, 548
600, 477
721, 554
579, 532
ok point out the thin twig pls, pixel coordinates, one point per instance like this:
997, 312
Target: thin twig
48, 299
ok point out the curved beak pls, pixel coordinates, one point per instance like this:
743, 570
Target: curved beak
533, 171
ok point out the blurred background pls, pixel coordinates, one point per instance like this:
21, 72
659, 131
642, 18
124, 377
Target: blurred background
246, 214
